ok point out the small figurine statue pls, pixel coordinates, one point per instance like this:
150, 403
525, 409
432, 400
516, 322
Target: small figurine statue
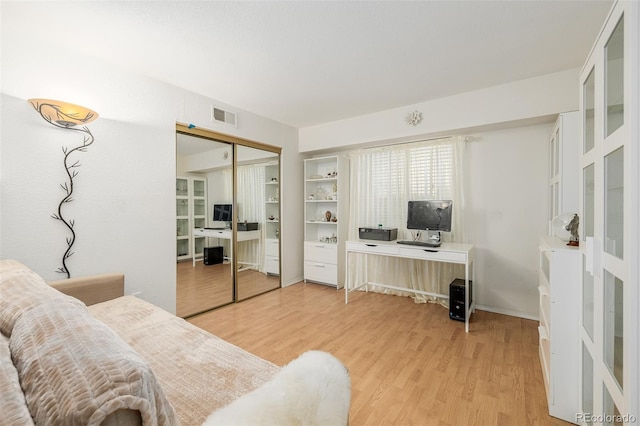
327, 216
572, 227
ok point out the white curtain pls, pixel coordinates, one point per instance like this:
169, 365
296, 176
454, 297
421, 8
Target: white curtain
382, 181
250, 207
226, 187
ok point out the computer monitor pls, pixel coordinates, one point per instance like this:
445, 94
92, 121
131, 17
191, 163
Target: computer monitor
432, 215
223, 212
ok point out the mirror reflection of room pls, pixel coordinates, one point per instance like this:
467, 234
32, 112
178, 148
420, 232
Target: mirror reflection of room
204, 179
205, 213
258, 216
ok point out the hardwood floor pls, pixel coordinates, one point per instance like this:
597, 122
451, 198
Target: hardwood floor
204, 287
409, 363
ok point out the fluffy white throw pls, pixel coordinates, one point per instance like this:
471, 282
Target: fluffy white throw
313, 389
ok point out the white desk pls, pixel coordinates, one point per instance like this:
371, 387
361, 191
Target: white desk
447, 252
225, 234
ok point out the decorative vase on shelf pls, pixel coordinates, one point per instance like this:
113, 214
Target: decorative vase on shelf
565, 227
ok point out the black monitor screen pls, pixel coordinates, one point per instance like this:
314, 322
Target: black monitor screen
222, 212
434, 215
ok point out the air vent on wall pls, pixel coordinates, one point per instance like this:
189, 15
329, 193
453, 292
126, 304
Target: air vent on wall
222, 116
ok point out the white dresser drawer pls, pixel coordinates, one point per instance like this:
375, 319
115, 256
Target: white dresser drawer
545, 306
373, 247
425, 253
271, 247
321, 272
321, 252
271, 265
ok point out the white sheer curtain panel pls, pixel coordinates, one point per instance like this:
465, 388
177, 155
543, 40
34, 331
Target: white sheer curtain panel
382, 182
227, 185
251, 208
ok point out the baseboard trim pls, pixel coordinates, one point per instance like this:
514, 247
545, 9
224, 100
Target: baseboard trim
507, 312
292, 282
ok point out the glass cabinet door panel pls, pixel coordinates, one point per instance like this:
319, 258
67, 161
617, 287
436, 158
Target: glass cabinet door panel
614, 202
589, 112
198, 188
199, 208
556, 155
589, 201
182, 227
556, 199
182, 207
199, 223
611, 413
614, 73
182, 187
587, 300
613, 325
182, 248
587, 382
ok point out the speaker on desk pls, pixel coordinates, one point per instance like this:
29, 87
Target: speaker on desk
213, 255
456, 299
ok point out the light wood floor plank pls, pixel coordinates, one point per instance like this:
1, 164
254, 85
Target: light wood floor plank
409, 363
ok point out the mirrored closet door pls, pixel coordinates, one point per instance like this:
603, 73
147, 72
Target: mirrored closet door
258, 221
204, 182
227, 220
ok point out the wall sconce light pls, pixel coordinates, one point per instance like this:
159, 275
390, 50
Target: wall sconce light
67, 116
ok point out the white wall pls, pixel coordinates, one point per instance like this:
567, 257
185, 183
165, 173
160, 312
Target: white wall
506, 215
125, 194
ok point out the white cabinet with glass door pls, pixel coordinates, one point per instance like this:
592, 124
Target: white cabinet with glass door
564, 152
182, 219
191, 212
609, 223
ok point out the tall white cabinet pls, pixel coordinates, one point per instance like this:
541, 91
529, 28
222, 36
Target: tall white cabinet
564, 152
191, 212
326, 213
559, 284
609, 212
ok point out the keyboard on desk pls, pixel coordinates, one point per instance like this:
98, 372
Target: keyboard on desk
419, 243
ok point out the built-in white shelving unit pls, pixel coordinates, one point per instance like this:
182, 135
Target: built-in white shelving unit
559, 281
272, 221
326, 211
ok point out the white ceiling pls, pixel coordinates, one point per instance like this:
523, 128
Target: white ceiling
305, 63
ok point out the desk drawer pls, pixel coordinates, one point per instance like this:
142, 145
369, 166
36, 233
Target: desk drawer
321, 252
433, 254
321, 272
372, 248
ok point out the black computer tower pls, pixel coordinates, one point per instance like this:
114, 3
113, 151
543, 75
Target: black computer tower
456, 299
213, 255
